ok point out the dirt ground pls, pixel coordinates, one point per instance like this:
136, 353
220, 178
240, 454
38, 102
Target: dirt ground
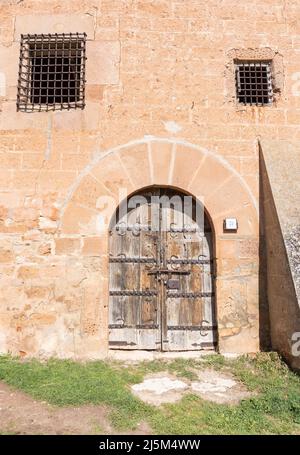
21, 414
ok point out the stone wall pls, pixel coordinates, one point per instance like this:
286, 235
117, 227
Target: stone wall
159, 74
280, 195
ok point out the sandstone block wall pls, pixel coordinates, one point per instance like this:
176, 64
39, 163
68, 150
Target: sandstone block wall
160, 91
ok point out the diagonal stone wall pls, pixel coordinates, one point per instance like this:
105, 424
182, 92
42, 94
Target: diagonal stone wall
280, 196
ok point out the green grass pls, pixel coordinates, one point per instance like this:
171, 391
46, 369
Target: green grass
273, 409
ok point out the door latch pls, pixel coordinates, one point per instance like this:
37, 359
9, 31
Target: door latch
173, 284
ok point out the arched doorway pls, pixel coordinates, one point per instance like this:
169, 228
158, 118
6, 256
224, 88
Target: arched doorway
161, 282
142, 163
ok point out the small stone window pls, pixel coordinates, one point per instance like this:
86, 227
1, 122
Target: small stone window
254, 82
51, 72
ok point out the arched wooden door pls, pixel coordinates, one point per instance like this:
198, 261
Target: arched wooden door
161, 275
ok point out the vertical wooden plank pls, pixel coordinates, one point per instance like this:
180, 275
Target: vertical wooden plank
128, 242
190, 246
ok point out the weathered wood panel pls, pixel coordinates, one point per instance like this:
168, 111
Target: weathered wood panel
161, 276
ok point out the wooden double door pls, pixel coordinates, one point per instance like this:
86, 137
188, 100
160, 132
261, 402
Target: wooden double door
161, 274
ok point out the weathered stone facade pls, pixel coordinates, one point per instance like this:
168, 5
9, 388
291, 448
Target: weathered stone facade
160, 110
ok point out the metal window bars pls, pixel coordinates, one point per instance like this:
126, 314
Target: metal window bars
52, 72
254, 82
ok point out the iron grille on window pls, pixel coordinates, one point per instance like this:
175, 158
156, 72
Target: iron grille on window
254, 82
51, 72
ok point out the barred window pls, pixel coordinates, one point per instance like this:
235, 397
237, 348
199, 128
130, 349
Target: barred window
254, 82
51, 72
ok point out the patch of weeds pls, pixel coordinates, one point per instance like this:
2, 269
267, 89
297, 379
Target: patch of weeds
184, 368
274, 408
180, 367
150, 367
217, 361
98, 429
193, 416
278, 388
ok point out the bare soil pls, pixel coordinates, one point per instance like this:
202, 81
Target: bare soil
21, 414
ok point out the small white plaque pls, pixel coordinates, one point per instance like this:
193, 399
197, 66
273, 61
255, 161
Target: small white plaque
230, 224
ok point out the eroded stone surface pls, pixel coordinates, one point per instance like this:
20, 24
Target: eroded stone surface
159, 385
219, 387
212, 385
160, 389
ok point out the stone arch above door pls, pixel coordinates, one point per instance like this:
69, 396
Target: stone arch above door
163, 162
208, 177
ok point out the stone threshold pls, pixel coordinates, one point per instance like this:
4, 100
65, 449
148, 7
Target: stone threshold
135, 355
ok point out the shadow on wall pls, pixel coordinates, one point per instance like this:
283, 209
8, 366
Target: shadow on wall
264, 314
279, 307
